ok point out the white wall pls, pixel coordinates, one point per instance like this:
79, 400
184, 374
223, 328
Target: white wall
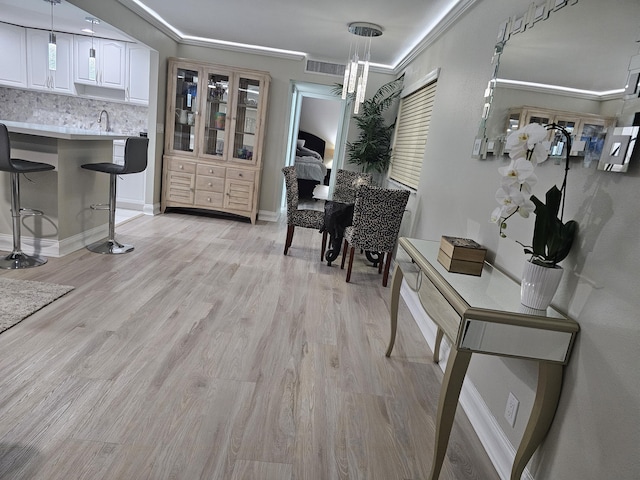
595, 434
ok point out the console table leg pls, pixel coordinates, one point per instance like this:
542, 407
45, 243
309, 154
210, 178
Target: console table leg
542, 413
395, 298
457, 365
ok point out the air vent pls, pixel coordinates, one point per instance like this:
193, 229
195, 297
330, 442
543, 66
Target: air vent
325, 68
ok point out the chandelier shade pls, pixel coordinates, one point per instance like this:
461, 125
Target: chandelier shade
52, 47
355, 78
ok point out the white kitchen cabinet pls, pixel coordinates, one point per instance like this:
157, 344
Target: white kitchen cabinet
13, 66
110, 62
138, 66
39, 76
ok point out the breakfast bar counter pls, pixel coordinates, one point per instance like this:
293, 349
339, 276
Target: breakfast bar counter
64, 195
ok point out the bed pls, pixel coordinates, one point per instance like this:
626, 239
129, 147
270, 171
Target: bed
310, 168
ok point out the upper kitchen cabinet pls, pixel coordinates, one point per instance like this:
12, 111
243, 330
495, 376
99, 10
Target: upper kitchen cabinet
110, 62
138, 69
213, 137
13, 67
39, 75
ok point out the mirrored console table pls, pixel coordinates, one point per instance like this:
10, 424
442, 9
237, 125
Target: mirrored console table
483, 315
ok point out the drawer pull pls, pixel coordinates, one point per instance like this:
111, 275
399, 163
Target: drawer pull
181, 167
210, 184
240, 175
210, 171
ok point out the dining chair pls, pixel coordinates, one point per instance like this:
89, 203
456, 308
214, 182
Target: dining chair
377, 215
347, 183
300, 217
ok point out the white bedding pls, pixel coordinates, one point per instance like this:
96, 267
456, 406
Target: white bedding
310, 168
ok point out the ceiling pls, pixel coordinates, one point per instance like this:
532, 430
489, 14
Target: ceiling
599, 40
317, 29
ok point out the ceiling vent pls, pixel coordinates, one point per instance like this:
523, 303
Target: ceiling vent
325, 68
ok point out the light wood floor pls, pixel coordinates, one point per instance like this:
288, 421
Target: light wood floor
207, 354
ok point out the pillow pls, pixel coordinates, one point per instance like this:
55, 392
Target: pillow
300, 143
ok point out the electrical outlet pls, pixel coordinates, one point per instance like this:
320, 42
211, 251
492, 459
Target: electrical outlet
512, 409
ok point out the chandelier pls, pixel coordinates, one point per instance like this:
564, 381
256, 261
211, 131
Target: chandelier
355, 78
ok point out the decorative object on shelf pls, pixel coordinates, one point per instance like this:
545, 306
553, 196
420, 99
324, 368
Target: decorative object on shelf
552, 238
352, 83
372, 150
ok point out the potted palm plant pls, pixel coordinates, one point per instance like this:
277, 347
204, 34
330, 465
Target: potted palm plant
552, 237
372, 150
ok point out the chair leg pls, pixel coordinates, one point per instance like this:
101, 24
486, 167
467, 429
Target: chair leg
324, 245
351, 252
344, 254
380, 260
17, 258
110, 245
287, 242
387, 265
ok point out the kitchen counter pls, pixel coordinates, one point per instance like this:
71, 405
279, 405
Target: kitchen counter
65, 133
64, 195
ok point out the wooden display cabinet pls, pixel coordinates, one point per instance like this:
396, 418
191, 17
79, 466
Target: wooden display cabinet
213, 137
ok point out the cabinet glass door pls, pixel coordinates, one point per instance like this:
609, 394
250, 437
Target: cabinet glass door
186, 108
216, 114
246, 119
558, 141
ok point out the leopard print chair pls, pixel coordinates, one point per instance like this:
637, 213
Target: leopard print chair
300, 217
347, 183
377, 215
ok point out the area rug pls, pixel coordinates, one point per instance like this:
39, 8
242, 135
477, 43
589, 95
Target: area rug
21, 298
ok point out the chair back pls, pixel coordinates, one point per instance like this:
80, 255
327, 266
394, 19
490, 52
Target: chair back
377, 215
5, 150
347, 183
291, 184
135, 154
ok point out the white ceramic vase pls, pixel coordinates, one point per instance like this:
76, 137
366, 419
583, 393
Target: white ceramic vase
539, 285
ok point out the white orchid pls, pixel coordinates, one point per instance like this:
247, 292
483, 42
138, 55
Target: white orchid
527, 148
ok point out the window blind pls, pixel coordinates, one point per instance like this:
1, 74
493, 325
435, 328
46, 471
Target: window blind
412, 129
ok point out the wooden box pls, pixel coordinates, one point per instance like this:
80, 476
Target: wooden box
461, 255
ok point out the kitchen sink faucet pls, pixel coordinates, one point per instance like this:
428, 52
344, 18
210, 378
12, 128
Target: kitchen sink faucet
108, 128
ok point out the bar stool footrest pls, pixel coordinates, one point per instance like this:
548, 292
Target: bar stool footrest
25, 212
100, 206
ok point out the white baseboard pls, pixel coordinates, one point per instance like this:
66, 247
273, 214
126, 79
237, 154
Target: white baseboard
55, 248
498, 447
268, 216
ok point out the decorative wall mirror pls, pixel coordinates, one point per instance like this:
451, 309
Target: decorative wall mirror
576, 57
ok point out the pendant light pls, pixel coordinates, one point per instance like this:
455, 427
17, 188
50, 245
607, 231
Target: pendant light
52, 39
354, 80
92, 51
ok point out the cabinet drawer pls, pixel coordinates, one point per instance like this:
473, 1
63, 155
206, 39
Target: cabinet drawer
238, 174
176, 165
209, 199
211, 170
239, 195
209, 184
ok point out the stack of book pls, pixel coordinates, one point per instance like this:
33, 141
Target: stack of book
461, 255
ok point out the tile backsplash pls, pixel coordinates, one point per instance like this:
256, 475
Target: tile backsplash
45, 108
